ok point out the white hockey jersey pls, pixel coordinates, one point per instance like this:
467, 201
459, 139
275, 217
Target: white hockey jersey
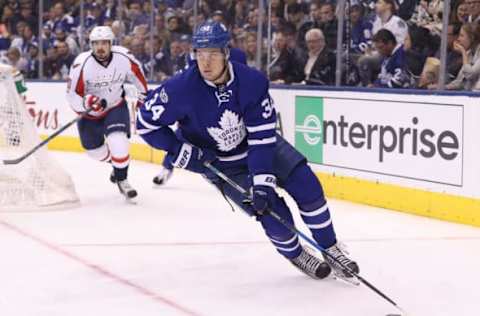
88, 76
395, 24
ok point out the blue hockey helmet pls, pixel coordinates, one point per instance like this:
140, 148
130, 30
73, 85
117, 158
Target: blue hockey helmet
211, 34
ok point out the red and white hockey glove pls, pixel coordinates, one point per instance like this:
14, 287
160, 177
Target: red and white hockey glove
94, 103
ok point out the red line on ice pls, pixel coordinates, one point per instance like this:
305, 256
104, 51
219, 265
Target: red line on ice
140, 289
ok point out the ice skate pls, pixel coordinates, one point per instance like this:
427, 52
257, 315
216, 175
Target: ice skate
163, 176
112, 177
126, 189
311, 265
338, 270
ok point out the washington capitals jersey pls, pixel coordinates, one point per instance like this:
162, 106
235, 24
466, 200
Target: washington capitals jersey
236, 120
88, 76
393, 73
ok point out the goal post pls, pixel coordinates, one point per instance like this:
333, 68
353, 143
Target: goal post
38, 181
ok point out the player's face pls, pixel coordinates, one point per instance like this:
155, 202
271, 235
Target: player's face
211, 62
101, 49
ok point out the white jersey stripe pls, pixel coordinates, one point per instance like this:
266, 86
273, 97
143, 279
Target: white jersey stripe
316, 212
234, 157
289, 249
259, 128
147, 125
320, 226
262, 141
284, 242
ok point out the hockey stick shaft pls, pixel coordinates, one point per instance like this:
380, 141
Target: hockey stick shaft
45, 141
294, 230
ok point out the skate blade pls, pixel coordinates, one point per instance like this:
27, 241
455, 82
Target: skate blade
130, 200
341, 278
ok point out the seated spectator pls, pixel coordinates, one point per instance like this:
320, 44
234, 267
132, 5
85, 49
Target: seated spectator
26, 15
61, 35
64, 59
313, 22
23, 42
393, 73
385, 18
251, 51
136, 15
32, 71
473, 10
137, 48
175, 26
5, 41
171, 62
283, 67
428, 14
295, 15
468, 44
160, 28
277, 23
94, 16
454, 58
19, 27
277, 7
14, 58
416, 49
59, 19
252, 21
323, 18
110, 9
361, 30
50, 65
430, 73
8, 19
328, 25
318, 67
405, 8
48, 37
459, 13
153, 48
241, 13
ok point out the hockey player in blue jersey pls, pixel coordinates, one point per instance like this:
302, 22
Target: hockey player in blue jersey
226, 117
166, 170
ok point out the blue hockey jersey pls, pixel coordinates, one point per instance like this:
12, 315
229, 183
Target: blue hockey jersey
236, 120
361, 36
393, 73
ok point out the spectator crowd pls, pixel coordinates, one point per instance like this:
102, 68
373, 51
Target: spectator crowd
386, 43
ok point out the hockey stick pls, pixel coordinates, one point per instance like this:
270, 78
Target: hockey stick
294, 230
45, 141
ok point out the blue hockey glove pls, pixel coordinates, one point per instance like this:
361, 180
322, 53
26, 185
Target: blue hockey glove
263, 193
192, 158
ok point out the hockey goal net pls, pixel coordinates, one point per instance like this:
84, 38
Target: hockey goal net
38, 181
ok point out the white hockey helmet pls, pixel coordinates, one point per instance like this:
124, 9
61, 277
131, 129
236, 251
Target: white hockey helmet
101, 33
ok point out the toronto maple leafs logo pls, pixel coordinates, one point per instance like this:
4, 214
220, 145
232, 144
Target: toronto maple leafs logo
231, 132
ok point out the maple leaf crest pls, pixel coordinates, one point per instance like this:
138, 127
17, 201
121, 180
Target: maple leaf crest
231, 132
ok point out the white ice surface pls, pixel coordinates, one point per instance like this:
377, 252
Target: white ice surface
182, 251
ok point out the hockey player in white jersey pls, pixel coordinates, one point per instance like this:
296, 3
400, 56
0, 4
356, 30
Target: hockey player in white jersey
95, 85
